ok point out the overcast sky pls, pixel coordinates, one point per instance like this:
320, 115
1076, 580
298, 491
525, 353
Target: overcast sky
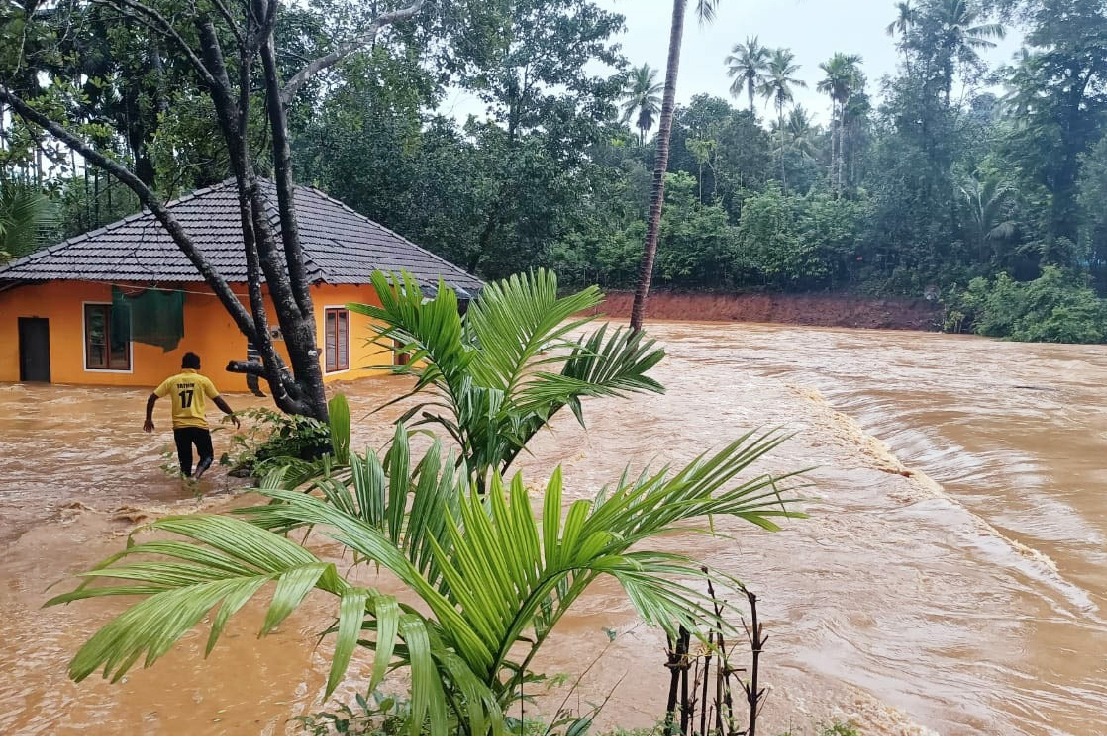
813, 29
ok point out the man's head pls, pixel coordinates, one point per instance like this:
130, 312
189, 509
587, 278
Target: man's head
190, 361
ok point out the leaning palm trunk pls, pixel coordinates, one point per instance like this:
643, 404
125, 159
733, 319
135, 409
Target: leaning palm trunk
657, 193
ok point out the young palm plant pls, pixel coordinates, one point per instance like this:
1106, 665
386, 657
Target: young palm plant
497, 375
493, 577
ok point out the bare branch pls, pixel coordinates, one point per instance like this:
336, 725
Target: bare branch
360, 41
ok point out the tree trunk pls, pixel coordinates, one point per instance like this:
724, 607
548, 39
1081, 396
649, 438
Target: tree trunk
780, 128
833, 179
302, 344
657, 193
836, 185
842, 140
300, 391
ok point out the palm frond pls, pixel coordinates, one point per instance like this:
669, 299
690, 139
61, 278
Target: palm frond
492, 576
228, 561
493, 373
519, 318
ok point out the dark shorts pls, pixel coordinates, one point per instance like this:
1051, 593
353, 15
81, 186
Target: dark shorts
186, 438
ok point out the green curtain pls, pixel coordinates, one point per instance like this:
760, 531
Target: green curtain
156, 317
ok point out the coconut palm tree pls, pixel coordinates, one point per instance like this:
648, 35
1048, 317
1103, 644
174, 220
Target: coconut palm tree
705, 11
987, 203
28, 220
905, 18
960, 36
842, 78
702, 150
777, 87
747, 64
641, 100
800, 132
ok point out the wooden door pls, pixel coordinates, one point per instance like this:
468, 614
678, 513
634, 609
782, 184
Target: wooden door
34, 350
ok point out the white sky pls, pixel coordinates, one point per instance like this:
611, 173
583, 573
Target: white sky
813, 29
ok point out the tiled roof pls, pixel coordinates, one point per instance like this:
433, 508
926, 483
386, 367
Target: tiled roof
340, 246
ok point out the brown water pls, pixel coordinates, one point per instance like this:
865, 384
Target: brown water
951, 578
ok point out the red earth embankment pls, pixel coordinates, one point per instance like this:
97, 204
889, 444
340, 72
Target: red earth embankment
832, 310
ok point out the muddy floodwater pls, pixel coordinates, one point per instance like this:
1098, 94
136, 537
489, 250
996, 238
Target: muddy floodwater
952, 577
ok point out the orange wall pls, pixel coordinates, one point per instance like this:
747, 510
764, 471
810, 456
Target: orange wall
363, 355
209, 331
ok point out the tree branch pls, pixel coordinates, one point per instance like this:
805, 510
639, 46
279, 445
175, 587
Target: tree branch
344, 50
282, 166
146, 195
236, 28
156, 21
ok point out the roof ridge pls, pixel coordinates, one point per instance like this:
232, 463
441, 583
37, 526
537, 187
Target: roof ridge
340, 245
388, 230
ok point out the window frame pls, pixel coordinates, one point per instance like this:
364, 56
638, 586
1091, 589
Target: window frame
342, 315
86, 345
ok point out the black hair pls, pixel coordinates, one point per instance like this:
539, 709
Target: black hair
190, 361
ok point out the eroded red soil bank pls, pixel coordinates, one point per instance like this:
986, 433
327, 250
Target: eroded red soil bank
844, 311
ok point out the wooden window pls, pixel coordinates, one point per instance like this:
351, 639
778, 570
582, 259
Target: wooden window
107, 338
399, 357
338, 339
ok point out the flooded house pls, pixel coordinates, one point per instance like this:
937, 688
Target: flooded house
121, 304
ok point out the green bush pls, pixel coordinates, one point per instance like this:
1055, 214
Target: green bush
269, 435
1050, 309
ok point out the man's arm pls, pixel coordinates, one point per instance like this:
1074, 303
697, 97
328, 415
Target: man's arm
222, 405
149, 424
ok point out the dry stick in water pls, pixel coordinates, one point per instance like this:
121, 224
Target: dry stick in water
757, 642
722, 670
706, 675
679, 661
685, 705
672, 663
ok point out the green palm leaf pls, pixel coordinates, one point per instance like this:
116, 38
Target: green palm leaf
228, 561
499, 374
492, 578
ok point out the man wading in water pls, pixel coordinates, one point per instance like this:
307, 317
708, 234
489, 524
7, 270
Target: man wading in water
188, 391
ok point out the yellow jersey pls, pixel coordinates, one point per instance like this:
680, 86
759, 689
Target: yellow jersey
189, 392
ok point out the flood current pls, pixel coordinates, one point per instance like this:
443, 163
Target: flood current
951, 578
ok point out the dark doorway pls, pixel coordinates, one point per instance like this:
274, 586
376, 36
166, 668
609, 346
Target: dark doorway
34, 350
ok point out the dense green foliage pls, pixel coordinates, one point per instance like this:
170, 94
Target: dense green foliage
1049, 309
941, 173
